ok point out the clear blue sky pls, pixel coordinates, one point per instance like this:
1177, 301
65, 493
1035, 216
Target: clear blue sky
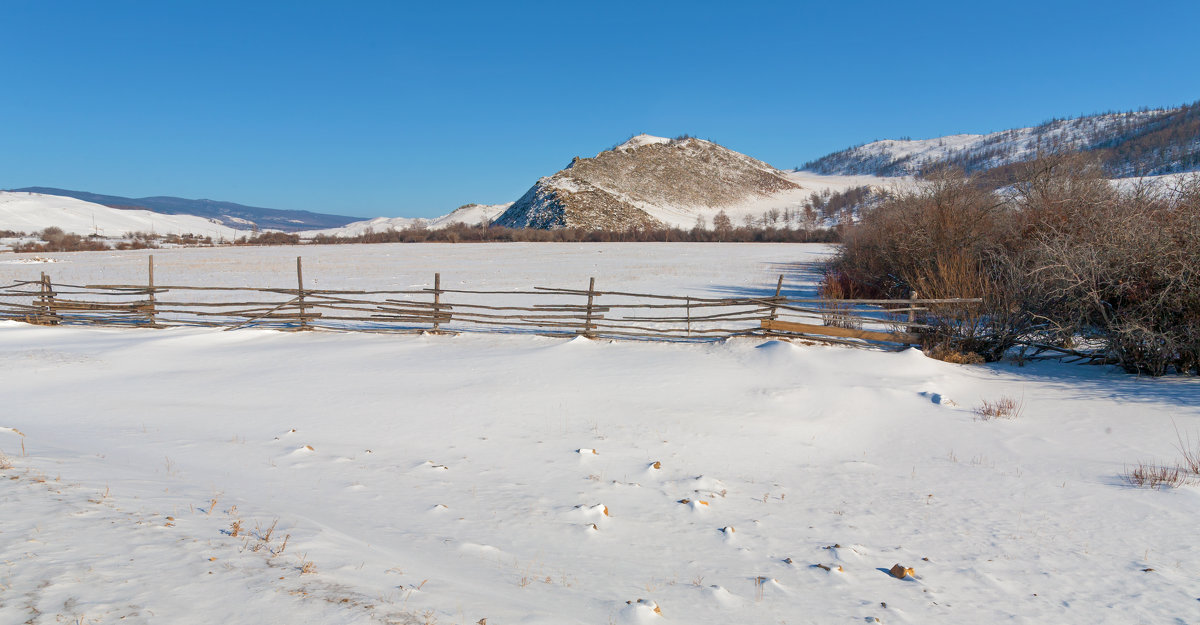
411, 109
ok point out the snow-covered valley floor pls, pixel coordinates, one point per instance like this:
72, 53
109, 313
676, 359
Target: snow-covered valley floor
440, 479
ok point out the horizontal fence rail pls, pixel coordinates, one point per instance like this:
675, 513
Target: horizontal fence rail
550, 311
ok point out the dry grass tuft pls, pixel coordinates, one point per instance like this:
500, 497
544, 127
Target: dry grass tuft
1002, 408
1190, 452
946, 353
5, 463
307, 567
1148, 475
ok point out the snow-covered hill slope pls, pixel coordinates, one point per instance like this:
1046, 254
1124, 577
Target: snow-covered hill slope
237, 216
468, 214
33, 212
1130, 144
651, 181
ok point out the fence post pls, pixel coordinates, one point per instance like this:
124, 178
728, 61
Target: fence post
437, 300
689, 317
47, 301
43, 314
300, 293
151, 310
775, 300
587, 325
912, 313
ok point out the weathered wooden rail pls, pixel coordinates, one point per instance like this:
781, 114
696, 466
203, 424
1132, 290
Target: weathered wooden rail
541, 310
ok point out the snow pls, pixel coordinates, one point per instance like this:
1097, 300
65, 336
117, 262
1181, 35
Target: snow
638, 141
33, 212
999, 148
755, 206
444, 479
668, 268
469, 214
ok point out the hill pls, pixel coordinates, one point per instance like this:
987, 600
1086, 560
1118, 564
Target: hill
233, 215
651, 181
33, 212
1135, 143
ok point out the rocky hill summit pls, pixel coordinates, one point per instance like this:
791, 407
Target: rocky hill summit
646, 182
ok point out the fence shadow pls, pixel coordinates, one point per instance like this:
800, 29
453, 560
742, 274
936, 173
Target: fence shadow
1087, 382
801, 280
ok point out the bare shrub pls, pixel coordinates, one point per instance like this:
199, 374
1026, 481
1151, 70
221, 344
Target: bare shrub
1002, 408
904, 236
986, 329
944, 240
1057, 254
54, 239
271, 238
835, 286
1122, 267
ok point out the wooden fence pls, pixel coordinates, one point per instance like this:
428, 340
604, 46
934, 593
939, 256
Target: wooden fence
542, 310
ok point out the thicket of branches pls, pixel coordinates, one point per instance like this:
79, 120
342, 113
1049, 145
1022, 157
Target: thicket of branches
54, 239
723, 230
1061, 257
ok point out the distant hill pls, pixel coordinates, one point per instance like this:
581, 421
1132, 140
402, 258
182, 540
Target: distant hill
648, 182
233, 215
467, 214
33, 212
1136, 143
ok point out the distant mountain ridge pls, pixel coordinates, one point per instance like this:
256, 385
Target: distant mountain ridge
646, 182
236, 216
1135, 143
30, 213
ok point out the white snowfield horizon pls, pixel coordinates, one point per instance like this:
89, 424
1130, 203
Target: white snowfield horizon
34, 212
191, 476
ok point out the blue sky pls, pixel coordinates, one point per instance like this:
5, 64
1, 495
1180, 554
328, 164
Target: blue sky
408, 109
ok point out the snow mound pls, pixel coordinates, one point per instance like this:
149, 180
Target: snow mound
723, 597
640, 612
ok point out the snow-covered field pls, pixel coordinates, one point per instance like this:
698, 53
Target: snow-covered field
439, 479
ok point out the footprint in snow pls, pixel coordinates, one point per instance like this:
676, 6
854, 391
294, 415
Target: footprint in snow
598, 511
938, 398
